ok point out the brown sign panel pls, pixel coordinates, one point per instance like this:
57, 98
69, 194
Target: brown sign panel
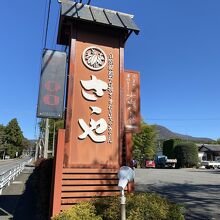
131, 80
92, 124
51, 93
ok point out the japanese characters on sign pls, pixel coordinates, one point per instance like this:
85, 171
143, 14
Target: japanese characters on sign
92, 89
110, 93
132, 101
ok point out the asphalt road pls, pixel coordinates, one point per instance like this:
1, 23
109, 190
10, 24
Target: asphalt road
198, 190
8, 164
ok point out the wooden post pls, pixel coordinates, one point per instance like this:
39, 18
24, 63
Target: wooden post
57, 174
129, 149
90, 154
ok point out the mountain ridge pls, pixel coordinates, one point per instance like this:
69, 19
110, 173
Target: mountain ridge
164, 133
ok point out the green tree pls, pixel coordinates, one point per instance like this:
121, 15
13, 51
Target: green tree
13, 133
25, 143
12, 150
218, 141
26, 146
144, 143
54, 126
2, 136
2, 141
14, 138
186, 154
169, 147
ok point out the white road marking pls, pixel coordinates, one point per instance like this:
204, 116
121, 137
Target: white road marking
17, 182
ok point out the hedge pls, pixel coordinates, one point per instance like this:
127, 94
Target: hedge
140, 206
81, 211
186, 155
169, 147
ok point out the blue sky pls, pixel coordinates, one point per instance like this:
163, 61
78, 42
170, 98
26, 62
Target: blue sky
177, 53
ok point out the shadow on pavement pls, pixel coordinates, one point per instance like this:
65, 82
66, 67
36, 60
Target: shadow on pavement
26, 208
19, 207
8, 205
201, 201
209, 171
34, 202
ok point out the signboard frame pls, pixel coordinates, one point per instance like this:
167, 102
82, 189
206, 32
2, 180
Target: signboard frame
52, 85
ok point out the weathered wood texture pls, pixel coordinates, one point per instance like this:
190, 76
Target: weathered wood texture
86, 184
57, 174
88, 169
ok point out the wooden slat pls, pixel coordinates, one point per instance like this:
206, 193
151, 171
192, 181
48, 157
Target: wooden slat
88, 194
65, 207
74, 200
89, 176
68, 203
85, 184
87, 170
90, 188
89, 182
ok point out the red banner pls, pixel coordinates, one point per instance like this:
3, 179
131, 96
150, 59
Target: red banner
131, 101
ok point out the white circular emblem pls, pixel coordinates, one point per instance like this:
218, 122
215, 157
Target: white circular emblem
94, 58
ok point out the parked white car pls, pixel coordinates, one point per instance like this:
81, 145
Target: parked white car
211, 164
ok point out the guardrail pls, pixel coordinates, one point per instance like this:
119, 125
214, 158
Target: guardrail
11, 173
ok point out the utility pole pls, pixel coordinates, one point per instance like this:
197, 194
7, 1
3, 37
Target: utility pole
53, 138
36, 151
3, 155
46, 139
4, 150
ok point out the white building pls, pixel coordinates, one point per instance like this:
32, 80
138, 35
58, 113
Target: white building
209, 152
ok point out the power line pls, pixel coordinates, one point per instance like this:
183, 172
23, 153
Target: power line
79, 1
48, 18
55, 29
183, 119
42, 45
35, 129
44, 21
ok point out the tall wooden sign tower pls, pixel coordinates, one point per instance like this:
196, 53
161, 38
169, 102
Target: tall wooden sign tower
102, 105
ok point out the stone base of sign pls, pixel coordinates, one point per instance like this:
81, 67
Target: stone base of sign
74, 185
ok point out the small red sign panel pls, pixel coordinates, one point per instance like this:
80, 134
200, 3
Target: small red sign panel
132, 101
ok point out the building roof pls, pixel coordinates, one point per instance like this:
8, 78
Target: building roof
209, 147
96, 15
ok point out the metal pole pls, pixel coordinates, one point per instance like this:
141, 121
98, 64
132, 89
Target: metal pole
36, 151
46, 139
4, 150
40, 150
123, 208
53, 138
3, 155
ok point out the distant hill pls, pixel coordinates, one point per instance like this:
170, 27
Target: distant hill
32, 142
165, 133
